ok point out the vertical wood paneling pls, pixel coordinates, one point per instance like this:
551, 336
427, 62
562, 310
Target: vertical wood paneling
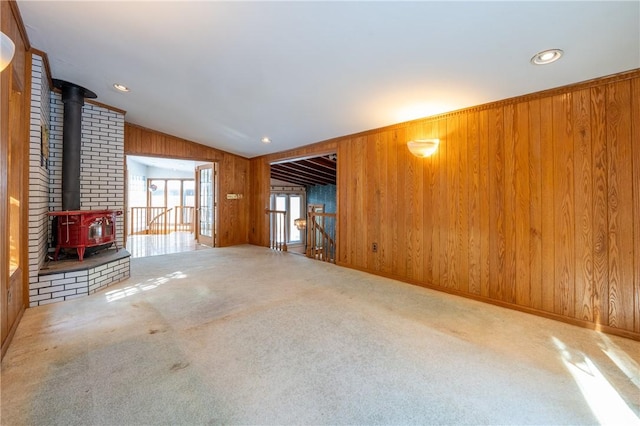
375, 196
584, 293
485, 190
452, 201
436, 206
345, 175
443, 216
600, 207
392, 200
429, 213
549, 282
15, 95
509, 204
497, 242
564, 206
635, 142
398, 241
620, 202
522, 205
358, 187
344, 240
414, 192
259, 201
535, 205
528, 202
462, 219
405, 210
474, 215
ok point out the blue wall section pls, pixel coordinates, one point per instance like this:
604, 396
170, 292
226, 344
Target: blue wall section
323, 194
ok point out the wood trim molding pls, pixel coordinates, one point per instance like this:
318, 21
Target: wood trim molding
572, 321
47, 67
20, 23
587, 84
96, 103
109, 107
625, 75
10, 334
25, 190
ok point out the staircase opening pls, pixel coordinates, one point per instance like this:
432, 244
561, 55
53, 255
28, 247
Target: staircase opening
303, 206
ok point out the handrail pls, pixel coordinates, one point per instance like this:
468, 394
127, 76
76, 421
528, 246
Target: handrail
321, 244
140, 218
155, 220
278, 235
156, 224
184, 218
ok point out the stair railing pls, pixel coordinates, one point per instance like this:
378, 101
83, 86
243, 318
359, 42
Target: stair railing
278, 235
321, 236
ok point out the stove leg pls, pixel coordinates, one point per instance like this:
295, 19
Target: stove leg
56, 253
80, 253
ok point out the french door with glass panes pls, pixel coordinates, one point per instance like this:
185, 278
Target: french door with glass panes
206, 204
293, 204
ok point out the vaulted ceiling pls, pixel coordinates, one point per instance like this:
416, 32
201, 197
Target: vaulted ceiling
227, 74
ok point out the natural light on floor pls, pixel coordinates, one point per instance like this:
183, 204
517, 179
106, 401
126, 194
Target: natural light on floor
621, 359
605, 402
149, 284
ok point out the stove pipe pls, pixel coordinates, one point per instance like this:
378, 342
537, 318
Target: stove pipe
73, 100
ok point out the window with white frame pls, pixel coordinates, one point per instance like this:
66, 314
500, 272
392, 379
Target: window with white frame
293, 203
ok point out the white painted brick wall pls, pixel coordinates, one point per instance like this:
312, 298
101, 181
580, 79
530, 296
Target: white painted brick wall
101, 186
38, 173
101, 160
55, 152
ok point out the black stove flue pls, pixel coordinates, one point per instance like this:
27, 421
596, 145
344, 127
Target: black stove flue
73, 99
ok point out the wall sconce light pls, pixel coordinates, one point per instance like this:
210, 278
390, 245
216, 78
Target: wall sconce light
7, 49
423, 147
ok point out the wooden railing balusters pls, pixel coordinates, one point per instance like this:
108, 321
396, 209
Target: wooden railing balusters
278, 235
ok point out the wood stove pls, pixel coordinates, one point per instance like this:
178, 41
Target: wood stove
72, 227
82, 229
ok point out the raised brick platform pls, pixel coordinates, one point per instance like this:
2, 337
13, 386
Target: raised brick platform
70, 279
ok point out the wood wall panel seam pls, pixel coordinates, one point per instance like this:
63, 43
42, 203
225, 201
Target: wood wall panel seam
635, 142
600, 206
535, 205
621, 292
522, 193
584, 300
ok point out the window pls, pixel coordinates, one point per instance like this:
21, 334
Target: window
293, 204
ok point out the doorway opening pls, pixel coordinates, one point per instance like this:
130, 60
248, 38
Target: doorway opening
171, 205
303, 206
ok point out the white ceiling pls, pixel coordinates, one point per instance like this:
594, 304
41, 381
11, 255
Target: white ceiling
225, 74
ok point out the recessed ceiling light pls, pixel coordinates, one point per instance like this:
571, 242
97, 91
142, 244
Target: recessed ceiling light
546, 56
121, 87
265, 140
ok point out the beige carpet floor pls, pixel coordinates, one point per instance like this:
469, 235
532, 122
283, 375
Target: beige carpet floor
245, 335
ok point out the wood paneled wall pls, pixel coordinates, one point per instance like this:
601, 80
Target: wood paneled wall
531, 203
233, 178
15, 93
